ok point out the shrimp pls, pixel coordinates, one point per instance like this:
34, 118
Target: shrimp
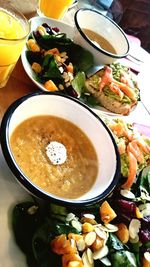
136, 151
120, 88
132, 171
121, 147
115, 88
106, 78
126, 79
128, 91
120, 129
145, 148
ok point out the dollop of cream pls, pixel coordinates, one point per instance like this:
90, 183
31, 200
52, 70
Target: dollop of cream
56, 152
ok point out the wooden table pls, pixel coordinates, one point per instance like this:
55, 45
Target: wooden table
19, 83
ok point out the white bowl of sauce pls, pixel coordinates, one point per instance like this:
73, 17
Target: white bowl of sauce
59, 150
100, 35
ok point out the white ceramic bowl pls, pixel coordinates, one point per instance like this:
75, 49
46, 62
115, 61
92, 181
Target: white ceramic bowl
34, 23
79, 114
104, 26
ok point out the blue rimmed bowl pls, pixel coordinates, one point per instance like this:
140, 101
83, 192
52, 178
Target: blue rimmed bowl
104, 26
42, 103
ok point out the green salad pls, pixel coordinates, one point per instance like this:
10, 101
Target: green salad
58, 63
114, 232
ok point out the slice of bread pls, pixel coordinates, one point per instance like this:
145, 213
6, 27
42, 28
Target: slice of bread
113, 104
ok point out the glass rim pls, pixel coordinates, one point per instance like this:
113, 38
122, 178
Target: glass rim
11, 10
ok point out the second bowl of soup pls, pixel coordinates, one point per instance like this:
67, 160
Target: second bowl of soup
100, 35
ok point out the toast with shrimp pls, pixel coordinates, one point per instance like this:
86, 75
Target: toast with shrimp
114, 88
134, 149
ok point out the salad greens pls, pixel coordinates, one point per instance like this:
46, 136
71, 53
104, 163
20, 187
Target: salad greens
145, 182
53, 52
81, 58
119, 253
56, 60
36, 223
78, 84
123, 258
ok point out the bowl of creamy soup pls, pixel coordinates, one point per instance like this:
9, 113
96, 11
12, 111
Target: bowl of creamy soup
60, 150
100, 35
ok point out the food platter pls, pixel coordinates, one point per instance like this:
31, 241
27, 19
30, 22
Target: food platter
70, 31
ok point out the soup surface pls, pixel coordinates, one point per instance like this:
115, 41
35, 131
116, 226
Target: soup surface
30, 143
99, 41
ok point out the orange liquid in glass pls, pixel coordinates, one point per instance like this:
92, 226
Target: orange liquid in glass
11, 44
54, 8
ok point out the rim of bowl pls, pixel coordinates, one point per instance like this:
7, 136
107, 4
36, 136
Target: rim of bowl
91, 43
21, 177
11, 9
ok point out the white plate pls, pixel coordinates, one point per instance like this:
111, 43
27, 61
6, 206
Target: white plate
11, 193
64, 27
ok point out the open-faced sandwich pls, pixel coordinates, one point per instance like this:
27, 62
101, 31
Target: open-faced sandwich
114, 88
134, 149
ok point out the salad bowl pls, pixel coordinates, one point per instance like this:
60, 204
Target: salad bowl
34, 23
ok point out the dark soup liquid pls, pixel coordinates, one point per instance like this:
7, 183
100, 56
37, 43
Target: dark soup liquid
99, 41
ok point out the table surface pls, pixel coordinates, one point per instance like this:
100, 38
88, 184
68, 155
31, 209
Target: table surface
11, 193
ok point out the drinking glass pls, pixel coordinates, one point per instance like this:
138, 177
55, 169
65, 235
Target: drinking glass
14, 29
53, 8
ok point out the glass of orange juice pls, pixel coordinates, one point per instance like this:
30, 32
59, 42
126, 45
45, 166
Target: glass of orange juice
14, 29
53, 8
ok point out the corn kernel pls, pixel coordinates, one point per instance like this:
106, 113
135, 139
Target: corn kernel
33, 46
36, 67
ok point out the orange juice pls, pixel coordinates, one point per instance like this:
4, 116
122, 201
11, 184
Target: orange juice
13, 34
54, 8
